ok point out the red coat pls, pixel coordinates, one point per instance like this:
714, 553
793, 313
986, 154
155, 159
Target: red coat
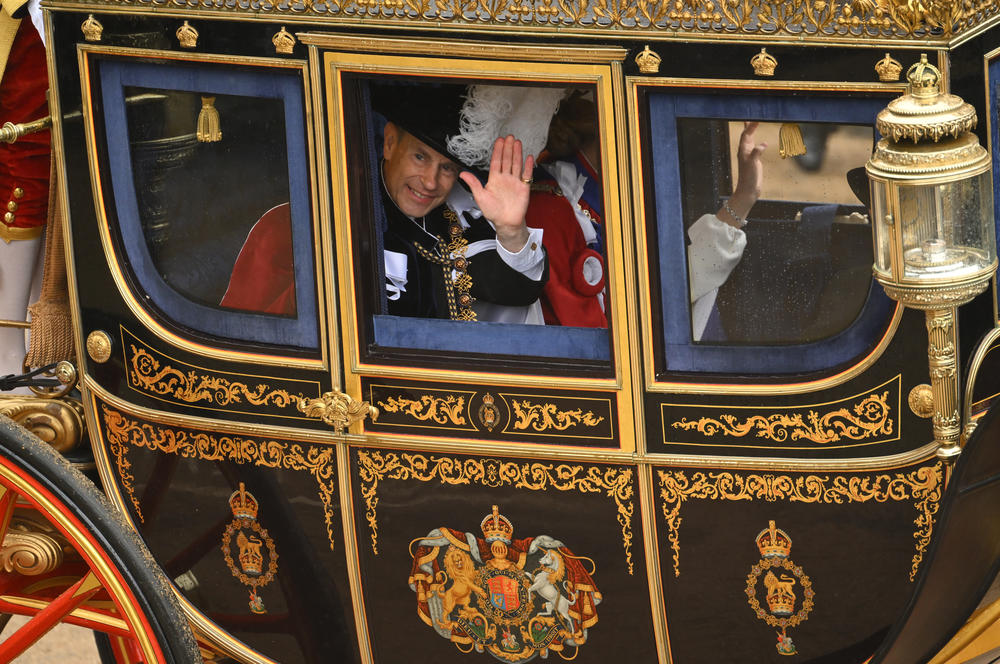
24, 165
263, 278
572, 294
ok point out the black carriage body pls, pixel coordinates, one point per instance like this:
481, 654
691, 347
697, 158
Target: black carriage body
677, 476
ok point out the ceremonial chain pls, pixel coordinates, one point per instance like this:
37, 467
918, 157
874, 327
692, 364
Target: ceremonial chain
454, 264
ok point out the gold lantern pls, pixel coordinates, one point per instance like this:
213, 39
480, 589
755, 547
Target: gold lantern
934, 240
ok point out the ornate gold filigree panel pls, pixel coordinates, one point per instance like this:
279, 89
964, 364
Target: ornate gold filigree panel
922, 486
866, 418
166, 379
615, 482
123, 433
807, 20
544, 417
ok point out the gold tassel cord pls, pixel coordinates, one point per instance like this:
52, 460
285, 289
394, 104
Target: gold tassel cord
209, 129
790, 142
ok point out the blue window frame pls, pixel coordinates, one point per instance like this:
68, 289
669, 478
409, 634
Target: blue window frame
681, 352
286, 87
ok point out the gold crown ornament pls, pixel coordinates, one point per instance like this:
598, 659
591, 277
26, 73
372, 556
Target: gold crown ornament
763, 63
187, 36
497, 527
774, 542
648, 61
243, 504
888, 69
92, 29
283, 41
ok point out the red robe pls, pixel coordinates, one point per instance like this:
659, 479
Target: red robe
263, 278
568, 298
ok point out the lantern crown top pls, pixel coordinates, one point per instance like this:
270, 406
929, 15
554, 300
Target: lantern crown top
924, 79
926, 111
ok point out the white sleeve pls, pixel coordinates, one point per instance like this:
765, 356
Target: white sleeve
530, 260
715, 250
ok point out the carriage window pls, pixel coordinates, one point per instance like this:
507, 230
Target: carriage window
761, 207
474, 243
209, 168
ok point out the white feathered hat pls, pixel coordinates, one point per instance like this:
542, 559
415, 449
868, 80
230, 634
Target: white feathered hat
492, 111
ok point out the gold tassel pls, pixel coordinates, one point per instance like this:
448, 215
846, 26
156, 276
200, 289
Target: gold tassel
209, 130
790, 141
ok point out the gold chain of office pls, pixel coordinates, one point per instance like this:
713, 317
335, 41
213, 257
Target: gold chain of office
455, 266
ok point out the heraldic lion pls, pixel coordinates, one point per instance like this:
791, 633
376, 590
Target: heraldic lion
459, 569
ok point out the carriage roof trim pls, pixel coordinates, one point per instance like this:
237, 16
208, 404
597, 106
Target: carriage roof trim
864, 22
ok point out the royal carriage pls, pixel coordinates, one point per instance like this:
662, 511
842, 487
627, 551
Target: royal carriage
802, 466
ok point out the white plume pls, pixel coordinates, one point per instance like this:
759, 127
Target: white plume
492, 111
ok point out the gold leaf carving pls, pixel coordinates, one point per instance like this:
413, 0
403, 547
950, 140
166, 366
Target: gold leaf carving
123, 433
867, 419
857, 21
542, 417
150, 375
443, 410
923, 486
616, 483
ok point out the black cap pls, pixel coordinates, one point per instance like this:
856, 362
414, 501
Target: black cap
428, 111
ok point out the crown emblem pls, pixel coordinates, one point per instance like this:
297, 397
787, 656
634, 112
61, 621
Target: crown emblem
924, 78
187, 36
243, 504
488, 412
92, 29
763, 63
888, 68
648, 61
780, 594
251, 559
283, 41
497, 527
774, 542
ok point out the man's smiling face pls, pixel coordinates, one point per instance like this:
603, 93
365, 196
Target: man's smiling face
417, 177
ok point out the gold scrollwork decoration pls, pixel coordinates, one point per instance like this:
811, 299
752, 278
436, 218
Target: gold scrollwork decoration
808, 20
443, 410
923, 486
616, 483
869, 418
122, 432
30, 552
148, 374
58, 422
337, 409
546, 416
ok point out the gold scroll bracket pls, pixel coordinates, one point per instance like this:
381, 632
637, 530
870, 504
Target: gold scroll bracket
337, 409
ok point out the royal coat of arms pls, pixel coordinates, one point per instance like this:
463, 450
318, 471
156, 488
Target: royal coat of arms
514, 598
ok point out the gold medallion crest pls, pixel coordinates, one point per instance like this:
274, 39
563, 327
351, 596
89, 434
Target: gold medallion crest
781, 579
256, 560
516, 599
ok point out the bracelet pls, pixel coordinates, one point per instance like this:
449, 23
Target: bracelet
742, 221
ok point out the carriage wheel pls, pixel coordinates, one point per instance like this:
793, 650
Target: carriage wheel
68, 557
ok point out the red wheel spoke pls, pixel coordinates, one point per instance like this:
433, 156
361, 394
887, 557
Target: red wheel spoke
7, 500
48, 617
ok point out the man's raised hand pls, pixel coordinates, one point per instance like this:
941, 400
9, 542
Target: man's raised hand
504, 199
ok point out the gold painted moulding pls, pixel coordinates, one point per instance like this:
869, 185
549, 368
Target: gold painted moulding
124, 433
483, 411
923, 486
615, 482
876, 21
166, 379
866, 418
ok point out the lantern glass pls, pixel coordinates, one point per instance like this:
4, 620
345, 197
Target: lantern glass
882, 228
946, 228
